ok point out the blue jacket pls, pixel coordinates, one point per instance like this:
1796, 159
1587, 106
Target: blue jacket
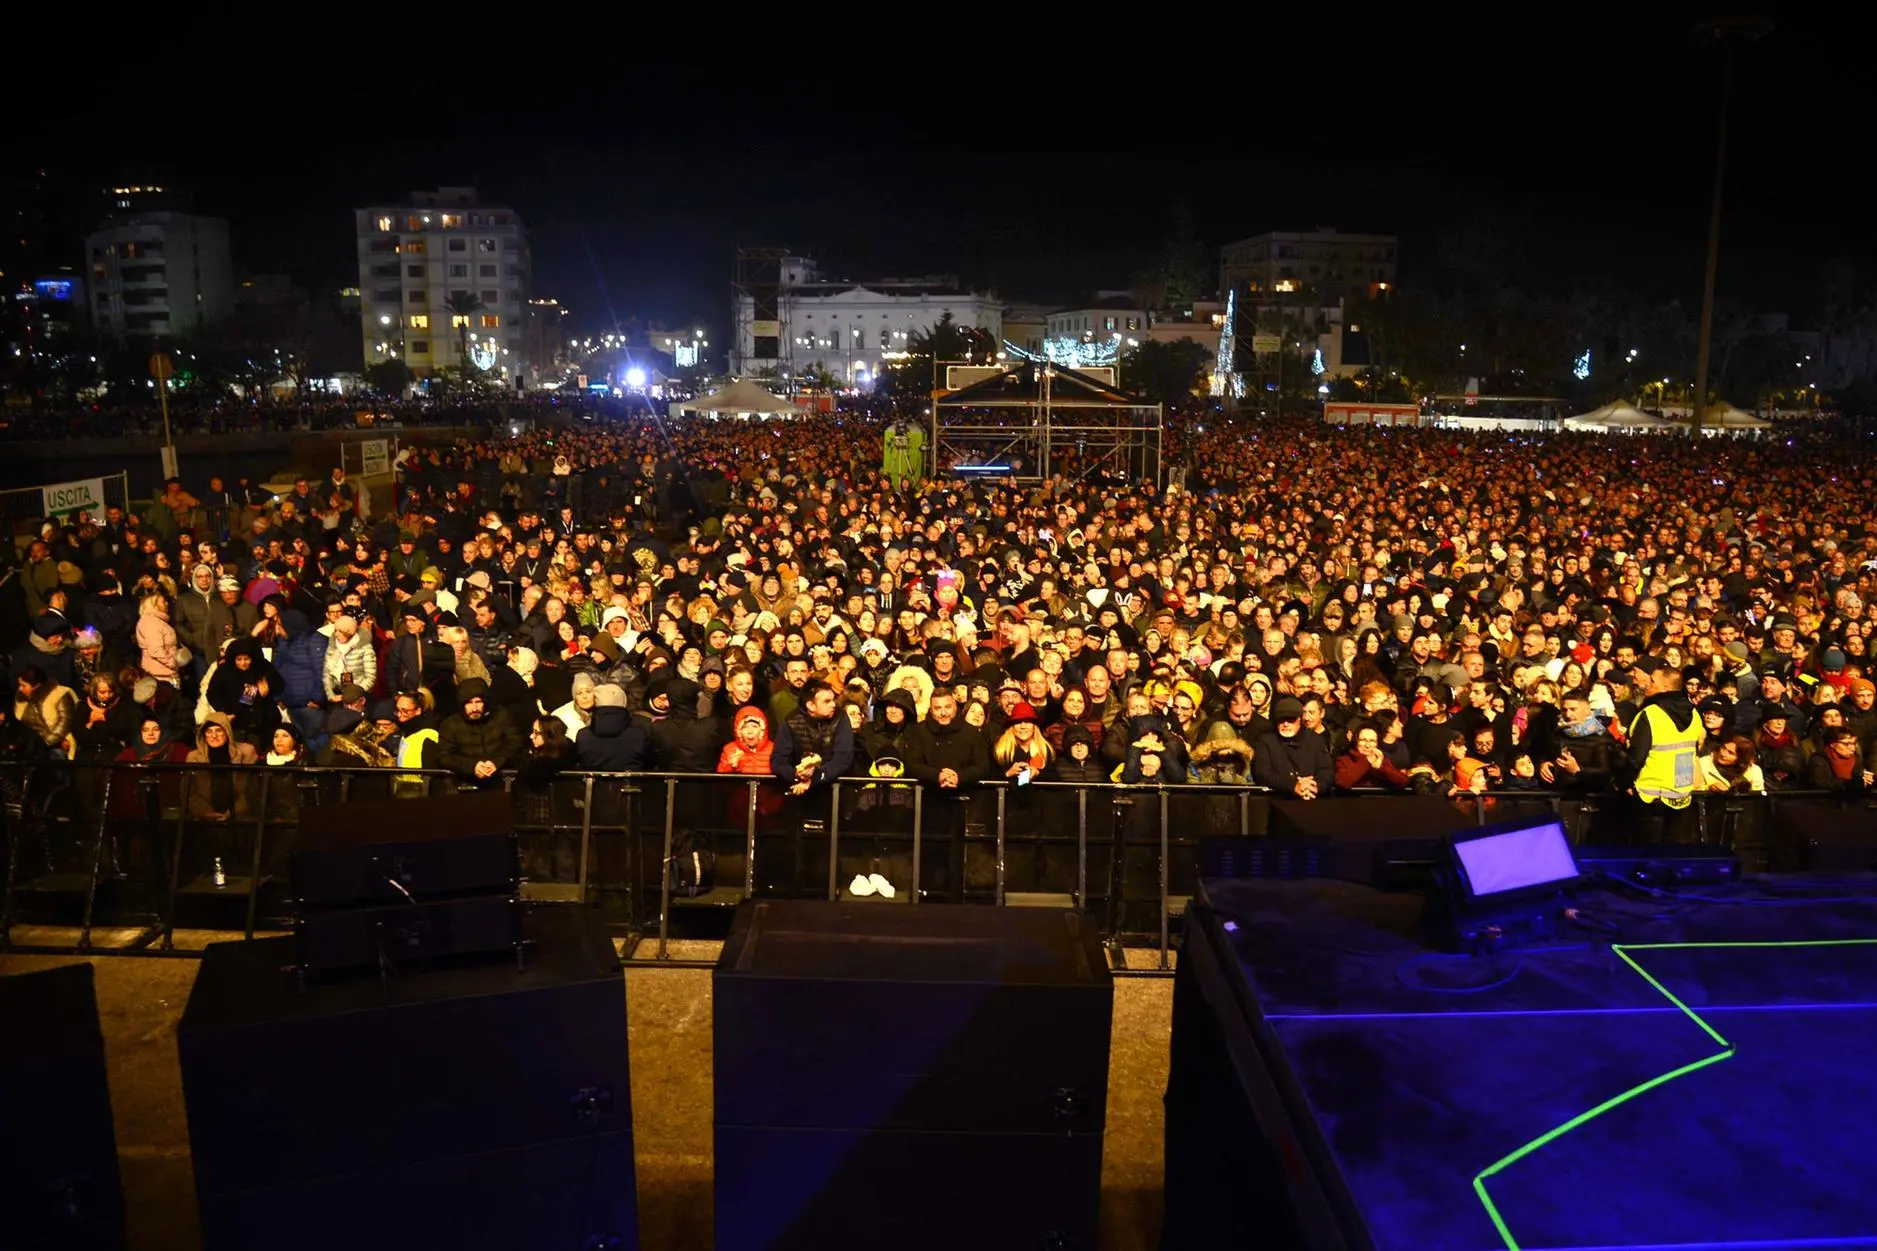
302, 663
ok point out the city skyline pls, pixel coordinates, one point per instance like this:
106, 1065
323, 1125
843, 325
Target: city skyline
1588, 158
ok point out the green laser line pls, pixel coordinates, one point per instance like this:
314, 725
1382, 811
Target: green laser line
1725, 1053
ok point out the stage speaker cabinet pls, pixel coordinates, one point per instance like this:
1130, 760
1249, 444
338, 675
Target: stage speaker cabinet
919, 1077
476, 1106
1822, 836
59, 1186
1391, 841
400, 851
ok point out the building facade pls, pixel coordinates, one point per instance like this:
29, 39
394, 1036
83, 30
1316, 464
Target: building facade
444, 278
1316, 267
158, 273
851, 329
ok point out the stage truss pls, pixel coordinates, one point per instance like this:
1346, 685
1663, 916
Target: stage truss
1040, 421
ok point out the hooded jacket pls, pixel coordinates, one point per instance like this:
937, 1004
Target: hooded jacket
612, 742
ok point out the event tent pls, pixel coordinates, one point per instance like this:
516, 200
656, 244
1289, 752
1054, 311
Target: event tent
738, 398
1726, 417
1617, 415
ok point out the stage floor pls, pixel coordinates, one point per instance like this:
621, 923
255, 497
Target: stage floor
1703, 1080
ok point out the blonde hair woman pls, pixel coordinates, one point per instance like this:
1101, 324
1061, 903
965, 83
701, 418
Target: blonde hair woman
162, 658
1021, 748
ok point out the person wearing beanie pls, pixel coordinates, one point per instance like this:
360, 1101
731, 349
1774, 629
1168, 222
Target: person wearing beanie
1860, 711
682, 741
476, 743
611, 741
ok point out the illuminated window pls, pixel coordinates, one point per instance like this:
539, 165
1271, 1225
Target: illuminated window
420, 321
413, 222
458, 321
452, 221
491, 322
414, 245
1107, 323
486, 245
386, 224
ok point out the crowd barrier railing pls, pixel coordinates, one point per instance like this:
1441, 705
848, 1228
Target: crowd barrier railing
143, 850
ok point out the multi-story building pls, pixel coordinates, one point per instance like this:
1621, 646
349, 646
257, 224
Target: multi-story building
444, 278
544, 346
1112, 315
1317, 267
156, 271
850, 328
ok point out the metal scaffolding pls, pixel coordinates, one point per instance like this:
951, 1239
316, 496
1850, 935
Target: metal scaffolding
1037, 421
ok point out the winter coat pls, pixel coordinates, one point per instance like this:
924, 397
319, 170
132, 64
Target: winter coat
612, 742
157, 640
685, 743
355, 661
959, 747
462, 744
1281, 761
302, 665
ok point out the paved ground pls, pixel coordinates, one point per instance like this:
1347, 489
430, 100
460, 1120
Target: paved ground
669, 1020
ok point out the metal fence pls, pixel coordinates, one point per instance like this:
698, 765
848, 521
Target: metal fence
19, 505
145, 850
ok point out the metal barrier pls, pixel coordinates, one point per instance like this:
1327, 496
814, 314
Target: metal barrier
154, 848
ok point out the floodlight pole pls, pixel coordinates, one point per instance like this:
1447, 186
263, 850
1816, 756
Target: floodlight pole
1727, 32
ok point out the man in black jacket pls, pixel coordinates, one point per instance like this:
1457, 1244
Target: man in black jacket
612, 742
477, 743
1288, 761
949, 757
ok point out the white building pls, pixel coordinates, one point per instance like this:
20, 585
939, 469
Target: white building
851, 328
159, 273
421, 259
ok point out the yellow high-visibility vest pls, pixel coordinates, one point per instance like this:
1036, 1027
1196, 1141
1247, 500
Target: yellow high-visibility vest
411, 756
1668, 776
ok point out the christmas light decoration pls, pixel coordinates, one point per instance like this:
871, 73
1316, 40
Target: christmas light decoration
1581, 369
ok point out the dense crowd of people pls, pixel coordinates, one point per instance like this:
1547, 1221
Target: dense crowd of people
1314, 610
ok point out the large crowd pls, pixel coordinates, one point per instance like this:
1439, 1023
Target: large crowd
1312, 610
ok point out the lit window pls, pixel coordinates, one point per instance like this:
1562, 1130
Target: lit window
420, 321
458, 321
413, 222
413, 245
386, 225
491, 321
452, 221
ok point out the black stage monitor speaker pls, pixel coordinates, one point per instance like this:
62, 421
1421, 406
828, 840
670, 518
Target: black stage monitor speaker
59, 1188
920, 1077
399, 851
1391, 841
479, 1106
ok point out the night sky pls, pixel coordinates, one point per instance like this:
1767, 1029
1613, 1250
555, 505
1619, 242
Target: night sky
1587, 148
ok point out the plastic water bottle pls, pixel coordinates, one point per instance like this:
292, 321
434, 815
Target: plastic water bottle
220, 875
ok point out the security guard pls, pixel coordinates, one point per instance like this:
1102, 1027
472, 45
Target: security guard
1663, 740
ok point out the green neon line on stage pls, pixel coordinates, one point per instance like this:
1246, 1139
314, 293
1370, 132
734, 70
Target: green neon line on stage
1616, 1101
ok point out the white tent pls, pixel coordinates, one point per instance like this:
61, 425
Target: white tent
1726, 417
738, 398
1616, 415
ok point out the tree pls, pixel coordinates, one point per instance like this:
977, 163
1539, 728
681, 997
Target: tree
946, 341
390, 377
463, 305
1166, 373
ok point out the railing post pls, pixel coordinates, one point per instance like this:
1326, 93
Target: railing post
834, 840
918, 833
749, 842
1003, 796
97, 863
1244, 814
664, 872
175, 860
1081, 848
586, 837
254, 872
1165, 852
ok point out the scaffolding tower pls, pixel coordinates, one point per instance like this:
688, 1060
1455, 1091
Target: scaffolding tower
1035, 421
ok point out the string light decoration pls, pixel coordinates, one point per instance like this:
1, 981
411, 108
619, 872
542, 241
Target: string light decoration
1580, 370
1070, 353
1224, 378
1316, 363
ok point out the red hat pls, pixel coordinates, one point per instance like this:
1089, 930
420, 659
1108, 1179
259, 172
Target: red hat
1023, 712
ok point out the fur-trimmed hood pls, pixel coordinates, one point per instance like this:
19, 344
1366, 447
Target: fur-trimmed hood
1218, 748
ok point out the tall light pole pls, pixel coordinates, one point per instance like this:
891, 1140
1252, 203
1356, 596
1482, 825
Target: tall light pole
1725, 32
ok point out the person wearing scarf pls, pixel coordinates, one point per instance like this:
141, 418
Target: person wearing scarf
217, 793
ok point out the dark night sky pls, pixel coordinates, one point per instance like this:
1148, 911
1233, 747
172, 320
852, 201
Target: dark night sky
1591, 154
